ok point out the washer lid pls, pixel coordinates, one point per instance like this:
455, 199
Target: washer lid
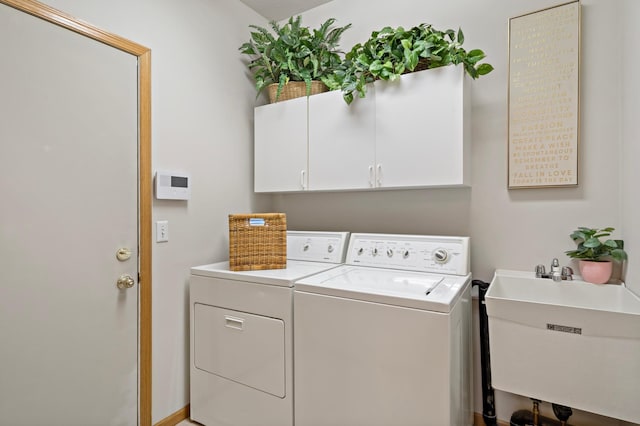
295, 270
394, 287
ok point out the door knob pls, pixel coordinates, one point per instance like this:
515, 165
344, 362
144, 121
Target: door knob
125, 281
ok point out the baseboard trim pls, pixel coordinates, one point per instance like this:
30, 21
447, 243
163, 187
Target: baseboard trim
183, 414
180, 415
479, 421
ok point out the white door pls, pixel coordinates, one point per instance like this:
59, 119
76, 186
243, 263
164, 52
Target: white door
280, 146
422, 131
68, 202
341, 142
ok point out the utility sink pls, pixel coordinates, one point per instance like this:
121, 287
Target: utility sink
571, 342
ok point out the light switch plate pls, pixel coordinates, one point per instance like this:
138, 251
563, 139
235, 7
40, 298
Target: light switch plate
162, 231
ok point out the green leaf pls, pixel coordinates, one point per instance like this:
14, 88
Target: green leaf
592, 243
460, 36
451, 34
473, 73
476, 55
385, 74
578, 235
393, 76
619, 255
331, 81
364, 59
484, 69
611, 243
412, 61
375, 66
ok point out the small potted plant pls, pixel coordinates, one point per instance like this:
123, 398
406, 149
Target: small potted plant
596, 256
293, 53
391, 52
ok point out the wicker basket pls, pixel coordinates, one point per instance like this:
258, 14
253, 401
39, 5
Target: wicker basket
257, 241
295, 89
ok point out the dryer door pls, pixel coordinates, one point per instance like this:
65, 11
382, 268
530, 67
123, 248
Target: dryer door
242, 347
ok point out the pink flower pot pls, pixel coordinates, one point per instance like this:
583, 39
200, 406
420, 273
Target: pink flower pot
595, 272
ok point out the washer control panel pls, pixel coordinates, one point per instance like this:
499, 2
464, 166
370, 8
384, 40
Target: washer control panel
425, 253
316, 246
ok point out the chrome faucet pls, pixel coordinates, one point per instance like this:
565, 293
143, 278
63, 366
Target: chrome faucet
556, 273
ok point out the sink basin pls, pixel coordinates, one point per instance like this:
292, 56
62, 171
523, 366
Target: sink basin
570, 342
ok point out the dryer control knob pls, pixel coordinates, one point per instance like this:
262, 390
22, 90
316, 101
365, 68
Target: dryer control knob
306, 247
441, 255
405, 254
389, 253
360, 251
330, 248
374, 252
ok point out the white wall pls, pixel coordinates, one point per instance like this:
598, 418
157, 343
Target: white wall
630, 176
202, 109
514, 229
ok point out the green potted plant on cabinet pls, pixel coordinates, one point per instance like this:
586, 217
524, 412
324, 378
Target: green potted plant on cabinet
595, 256
293, 54
389, 53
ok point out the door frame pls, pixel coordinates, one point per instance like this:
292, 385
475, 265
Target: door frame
143, 54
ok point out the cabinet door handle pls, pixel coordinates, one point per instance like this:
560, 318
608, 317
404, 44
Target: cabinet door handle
379, 174
371, 176
302, 180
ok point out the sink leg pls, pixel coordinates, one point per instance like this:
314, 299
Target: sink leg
536, 412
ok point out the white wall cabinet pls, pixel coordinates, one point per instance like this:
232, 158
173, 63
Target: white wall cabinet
341, 142
281, 146
422, 136
315, 143
410, 133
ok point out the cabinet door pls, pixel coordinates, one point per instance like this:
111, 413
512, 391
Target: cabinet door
280, 146
420, 129
341, 142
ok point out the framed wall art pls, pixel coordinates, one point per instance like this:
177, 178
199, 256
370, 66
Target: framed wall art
544, 98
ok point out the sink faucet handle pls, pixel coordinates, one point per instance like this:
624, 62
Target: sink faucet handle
567, 273
540, 271
555, 265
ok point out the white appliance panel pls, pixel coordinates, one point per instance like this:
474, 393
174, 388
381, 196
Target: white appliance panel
276, 277
317, 246
394, 287
436, 254
245, 348
380, 365
217, 400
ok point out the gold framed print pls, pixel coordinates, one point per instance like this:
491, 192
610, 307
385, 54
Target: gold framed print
544, 98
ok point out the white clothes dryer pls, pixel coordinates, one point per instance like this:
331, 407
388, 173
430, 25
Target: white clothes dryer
241, 361
386, 338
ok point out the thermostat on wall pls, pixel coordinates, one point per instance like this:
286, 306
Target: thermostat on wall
173, 186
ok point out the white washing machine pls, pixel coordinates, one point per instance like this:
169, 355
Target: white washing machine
386, 338
241, 361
